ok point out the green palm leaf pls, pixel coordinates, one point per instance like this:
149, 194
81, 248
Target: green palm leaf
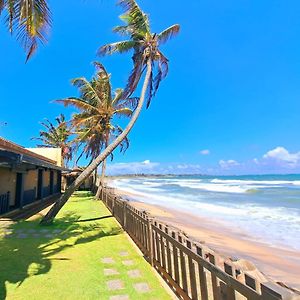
118, 47
168, 33
30, 20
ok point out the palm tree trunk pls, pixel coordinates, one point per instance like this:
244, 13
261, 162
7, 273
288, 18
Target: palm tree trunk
95, 179
101, 183
48, 218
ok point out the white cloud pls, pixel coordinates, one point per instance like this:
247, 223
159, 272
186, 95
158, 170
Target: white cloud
205, 152
148, 167
145, 166
146, 162
227, 164
282, 157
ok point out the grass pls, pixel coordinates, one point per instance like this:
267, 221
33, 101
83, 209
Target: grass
63, 261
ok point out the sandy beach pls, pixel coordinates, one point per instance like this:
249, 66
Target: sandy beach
281, 265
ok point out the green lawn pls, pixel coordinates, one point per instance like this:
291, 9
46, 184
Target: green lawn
64, 260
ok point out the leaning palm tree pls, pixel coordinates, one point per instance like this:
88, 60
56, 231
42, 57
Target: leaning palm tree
98, 107
148, 60
56, 136
30, 19
96, 139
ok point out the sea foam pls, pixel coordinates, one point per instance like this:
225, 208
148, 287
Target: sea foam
275, 209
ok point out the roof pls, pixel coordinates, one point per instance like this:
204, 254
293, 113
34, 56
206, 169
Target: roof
12, 159
13, 155
10, 146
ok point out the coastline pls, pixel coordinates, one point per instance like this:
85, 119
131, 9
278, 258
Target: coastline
278, 264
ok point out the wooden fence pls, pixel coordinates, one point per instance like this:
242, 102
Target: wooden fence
192, 270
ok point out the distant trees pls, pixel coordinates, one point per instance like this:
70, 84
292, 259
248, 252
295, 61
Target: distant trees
148, 63
57, 136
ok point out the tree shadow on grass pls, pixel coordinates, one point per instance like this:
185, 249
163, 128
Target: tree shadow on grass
27, 249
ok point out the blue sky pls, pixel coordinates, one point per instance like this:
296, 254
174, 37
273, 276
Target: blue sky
233, 87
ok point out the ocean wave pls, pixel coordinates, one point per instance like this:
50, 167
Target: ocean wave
148, 186
253, 214
220, 188
257, 182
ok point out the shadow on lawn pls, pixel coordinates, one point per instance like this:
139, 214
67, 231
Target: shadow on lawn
21, 258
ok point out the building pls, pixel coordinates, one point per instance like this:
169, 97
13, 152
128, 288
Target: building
26, 176
68, 177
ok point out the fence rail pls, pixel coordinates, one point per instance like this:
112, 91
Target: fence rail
191, 269
4, 203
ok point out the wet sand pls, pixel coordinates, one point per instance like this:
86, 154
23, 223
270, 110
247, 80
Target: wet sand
281, 265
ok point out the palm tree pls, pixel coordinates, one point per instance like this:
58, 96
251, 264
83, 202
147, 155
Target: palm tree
94, 123
30, 19
56, 136
97, 139
147, 59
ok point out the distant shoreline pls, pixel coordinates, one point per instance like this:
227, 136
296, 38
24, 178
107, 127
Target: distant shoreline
142, 175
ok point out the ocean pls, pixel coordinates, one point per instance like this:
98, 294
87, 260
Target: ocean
265, 208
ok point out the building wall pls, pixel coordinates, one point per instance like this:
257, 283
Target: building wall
51, 153
46, 178
30, 180
8, 183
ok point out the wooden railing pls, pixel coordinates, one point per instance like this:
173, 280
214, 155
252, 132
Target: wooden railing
192, 270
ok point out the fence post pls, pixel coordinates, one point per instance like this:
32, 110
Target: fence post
124, 214
113, 206
150, 241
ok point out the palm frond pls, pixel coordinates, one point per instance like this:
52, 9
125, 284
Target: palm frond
168, 33
30, 19
78, 103
87, 90
131, 102
118, 47
102, 83
127, 112
149, 92
162, 71
135, 18
123, 30
135, 75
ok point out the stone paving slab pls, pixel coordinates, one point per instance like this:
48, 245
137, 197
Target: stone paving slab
9, 236
124, 253
36, 235
22, 236
49, 235
142, 287
108, 260
29, 233
114, 285
109, 272
119, 297
134, 273
127, 262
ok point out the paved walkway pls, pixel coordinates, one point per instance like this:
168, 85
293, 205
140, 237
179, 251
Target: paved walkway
114, 283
